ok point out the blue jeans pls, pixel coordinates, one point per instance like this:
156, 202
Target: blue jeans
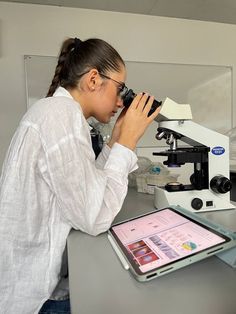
55, 307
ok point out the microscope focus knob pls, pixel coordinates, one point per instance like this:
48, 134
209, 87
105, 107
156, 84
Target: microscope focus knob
220, 184
196, 203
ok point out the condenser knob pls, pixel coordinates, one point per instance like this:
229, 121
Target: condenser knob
197, 203
220, 184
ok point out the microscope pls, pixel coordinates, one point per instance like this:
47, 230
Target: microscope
209, 186
206, 149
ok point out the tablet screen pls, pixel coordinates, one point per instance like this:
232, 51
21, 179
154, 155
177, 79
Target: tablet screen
162, 237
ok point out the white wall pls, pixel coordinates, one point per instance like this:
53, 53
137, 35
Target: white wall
39, 30
218, 91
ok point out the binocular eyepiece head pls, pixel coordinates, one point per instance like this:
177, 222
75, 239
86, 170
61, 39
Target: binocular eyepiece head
129, 97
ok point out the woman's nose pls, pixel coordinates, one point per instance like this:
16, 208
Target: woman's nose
120, 103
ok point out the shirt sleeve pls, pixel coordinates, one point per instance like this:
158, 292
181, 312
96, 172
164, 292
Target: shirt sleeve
102, 157
89, 197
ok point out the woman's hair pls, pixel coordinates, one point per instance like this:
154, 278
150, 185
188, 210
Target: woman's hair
79, 57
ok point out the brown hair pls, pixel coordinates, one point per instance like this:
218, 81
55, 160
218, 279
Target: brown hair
78, 57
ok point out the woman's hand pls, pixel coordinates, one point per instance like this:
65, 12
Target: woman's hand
135, 120
117, 127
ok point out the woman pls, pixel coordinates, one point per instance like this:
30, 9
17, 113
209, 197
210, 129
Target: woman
51, 181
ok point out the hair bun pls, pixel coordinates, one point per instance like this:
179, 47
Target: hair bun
77, 43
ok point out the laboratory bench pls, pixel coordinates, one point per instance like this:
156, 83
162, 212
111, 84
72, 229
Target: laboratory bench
100, 285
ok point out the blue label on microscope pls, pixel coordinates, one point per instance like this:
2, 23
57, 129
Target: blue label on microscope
218, 150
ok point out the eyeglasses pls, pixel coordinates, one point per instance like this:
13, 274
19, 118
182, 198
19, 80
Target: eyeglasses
123, 89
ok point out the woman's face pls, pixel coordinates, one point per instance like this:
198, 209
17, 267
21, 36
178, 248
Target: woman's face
108, 95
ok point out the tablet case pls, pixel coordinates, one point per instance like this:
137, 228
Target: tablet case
227, 254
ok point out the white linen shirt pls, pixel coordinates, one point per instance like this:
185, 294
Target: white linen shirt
51, 183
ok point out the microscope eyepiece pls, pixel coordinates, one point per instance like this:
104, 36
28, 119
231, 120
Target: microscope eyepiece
128, 97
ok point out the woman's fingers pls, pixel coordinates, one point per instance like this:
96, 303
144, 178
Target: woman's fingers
155, 113
148, 105
143, 104
136, 101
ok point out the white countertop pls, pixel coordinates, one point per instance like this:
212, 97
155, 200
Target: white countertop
100, 285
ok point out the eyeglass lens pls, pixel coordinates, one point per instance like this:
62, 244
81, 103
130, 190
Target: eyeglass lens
123, 91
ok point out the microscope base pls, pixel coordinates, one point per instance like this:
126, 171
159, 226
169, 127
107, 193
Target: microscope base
210, 201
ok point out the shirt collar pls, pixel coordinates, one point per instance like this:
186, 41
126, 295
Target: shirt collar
61, 91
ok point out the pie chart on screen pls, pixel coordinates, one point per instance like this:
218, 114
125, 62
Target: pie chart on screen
189, 246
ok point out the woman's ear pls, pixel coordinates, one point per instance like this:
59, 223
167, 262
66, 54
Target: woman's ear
93, 80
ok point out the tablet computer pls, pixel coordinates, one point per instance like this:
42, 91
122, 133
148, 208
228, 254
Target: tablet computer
165, 240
